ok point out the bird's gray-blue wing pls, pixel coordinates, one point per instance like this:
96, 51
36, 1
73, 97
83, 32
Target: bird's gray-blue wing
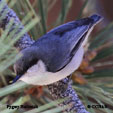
56, 52
58, 46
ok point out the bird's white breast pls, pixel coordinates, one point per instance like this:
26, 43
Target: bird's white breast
38, 75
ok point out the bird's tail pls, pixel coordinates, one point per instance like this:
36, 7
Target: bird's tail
96, 18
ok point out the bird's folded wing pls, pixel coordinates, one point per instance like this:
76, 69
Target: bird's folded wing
58, 46
56, 51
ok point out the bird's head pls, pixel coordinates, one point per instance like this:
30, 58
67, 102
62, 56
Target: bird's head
27, 59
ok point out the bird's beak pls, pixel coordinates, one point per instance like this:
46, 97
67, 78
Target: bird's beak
16, 78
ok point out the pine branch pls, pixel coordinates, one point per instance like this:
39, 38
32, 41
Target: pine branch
6, 15
60, 89
63, 89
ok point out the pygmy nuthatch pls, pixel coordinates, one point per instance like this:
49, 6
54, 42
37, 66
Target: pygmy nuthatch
55, 55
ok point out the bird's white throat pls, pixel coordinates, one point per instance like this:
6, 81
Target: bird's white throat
38, 75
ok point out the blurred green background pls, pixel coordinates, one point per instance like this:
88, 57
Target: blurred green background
93, 81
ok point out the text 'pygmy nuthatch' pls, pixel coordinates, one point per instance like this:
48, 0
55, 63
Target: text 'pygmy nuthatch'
55, 55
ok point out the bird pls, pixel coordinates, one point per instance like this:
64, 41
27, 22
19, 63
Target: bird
55, 55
